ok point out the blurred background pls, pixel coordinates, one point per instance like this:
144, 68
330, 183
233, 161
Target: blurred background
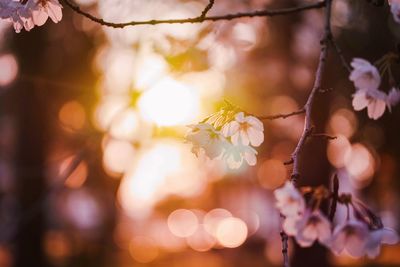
94, 170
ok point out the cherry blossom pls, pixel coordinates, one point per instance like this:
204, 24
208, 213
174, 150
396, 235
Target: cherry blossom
380, 236
205, 137
350, 237
245, 130
313, 225
31, 13
290, 201
366, 79
235, 155
364, 75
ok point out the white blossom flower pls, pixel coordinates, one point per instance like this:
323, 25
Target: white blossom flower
364, 75
395, 9
313, 225
290, 201
367, 80
204, 137
377, 237
244, 130
33, 12
234, 155
350, 237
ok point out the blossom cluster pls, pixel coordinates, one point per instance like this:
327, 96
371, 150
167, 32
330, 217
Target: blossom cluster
229, 134
358, 236
27, 14
366, 79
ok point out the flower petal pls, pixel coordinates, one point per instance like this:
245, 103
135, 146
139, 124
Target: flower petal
256, 137
389, 236
230, 128
376, 108
360, 100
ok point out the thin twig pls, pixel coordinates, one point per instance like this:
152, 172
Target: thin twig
199, 19
282, 116
324, 135
207, 8
339, 52
335, 197
285, 249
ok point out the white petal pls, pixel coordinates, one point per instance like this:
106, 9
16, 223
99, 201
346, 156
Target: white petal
360, 100
244, 138
304, 241
234, 163
230, 128
254, 122
389, 236
236, 139
355, 245
239, 117
324, 231
376, 108
289, 225
39, 17
250, 157
54, 10
338, 240
256, 137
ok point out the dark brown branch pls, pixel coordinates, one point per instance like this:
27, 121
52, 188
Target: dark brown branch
324, 135
207, 8
335, 197
308, 128
339, 52
285, 248
199, 19
282, 116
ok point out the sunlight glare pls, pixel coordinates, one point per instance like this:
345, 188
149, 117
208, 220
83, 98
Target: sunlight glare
169, 103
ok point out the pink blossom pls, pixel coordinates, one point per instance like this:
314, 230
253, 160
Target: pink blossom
367, 80
289, 200
312, 226
384, 235
350, 237
33, 12
395, 9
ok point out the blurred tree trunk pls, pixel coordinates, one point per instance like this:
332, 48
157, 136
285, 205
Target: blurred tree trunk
30, 108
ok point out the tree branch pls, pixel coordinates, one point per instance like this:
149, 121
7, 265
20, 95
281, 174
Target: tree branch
202, 18
335, 197
282, 116
324, 135
207, 8
340, 54
317, 85
308, 128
